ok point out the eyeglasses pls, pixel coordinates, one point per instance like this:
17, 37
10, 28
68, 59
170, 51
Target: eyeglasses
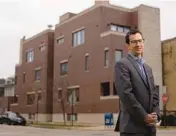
137, 41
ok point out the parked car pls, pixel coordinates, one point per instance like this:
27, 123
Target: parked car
12, 118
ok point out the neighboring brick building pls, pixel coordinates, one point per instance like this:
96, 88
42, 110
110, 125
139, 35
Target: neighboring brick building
34, 76
169, 71
86, 48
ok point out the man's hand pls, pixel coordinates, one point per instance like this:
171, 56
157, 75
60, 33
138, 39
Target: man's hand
155, 116
151, 118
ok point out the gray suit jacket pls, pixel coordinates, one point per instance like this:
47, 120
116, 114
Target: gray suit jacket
138, 97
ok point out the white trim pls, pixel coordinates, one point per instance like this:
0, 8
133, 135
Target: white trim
63, 61
43, 44
38, 68
79, 29
29, 50
59, 89
106, 49
30, 92
72, 87
106, 66
60, 37
64, 75
87, 54
40, 91
14, 104
106, 33
109, 97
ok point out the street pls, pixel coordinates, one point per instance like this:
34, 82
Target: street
31, 131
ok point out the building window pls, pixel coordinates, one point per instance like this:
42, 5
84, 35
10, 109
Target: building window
60, 40
119, 28
87, 62
39, 96
2, 92
105, 91
63, 68
37, 74
73, 95
78, 38
60, 94
71, 117
106, 60
114, 90
24, 77
126, 29
118, 55
113, 28
42, 47
30, 99
14, 99
29, 56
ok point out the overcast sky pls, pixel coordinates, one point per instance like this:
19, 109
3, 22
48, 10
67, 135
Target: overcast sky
20, 18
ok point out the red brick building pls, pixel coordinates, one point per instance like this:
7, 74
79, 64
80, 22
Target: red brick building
75, 62
34, 76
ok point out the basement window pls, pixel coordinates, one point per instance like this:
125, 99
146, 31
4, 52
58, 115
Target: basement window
105, 91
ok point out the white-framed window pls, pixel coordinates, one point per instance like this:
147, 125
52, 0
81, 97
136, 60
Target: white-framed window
119, 28
106, 57
113, 28
30, 56
73, 95
78, 38
42, 47
39, 96
64, 68
126, 29
118, 55
37, 74
60, 40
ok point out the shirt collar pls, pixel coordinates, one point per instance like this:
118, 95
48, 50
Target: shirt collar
138, 59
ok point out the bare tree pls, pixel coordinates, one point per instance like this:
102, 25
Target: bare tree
61, 89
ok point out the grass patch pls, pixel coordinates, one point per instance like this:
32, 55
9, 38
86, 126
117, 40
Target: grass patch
167, 127
57, 125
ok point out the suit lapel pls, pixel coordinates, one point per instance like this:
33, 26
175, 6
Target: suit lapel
147, 71
147, 74
137, 69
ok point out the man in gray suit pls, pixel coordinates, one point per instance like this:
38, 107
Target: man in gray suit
139, 96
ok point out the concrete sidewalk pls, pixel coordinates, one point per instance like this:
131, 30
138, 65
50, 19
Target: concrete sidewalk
98, 128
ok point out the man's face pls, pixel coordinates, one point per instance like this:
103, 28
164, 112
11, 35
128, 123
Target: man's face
136, 44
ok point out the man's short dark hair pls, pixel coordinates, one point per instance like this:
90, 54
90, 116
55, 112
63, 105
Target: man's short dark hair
131, 32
